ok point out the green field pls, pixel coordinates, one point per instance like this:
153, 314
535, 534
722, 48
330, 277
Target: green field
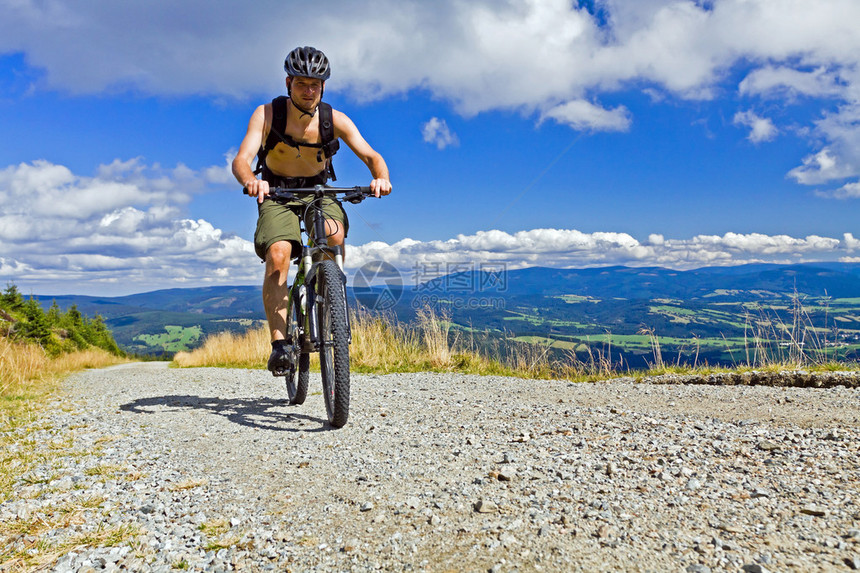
701, 330
174, 339
541, 321
575, 298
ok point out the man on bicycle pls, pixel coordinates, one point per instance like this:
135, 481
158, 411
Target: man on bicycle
289, 137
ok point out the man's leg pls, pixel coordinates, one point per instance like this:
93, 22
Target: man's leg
336, 224
275, 291
275, 288
335, 231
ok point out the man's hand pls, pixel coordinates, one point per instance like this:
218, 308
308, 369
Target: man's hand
257, 188
380, 187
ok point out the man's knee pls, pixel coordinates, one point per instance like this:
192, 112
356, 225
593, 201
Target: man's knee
335, 231
278, 257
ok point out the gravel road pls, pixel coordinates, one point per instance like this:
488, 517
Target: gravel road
211, 469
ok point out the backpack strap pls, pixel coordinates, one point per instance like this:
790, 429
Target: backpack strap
330, 144
279, 125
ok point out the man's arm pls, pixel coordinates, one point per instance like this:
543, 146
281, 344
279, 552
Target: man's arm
345, 129
247, 151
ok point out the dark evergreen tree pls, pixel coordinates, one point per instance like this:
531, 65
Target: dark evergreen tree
55, 331
54, 315
73, 317
35, 325
11, 300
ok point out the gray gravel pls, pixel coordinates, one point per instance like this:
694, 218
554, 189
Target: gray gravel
212, 470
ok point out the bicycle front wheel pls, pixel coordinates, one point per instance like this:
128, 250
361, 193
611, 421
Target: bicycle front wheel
334, 342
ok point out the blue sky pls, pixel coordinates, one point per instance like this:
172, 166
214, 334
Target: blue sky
529, 132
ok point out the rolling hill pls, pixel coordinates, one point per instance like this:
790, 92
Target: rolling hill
570, 306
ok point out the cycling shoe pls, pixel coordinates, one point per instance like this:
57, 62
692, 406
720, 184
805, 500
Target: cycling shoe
280, 360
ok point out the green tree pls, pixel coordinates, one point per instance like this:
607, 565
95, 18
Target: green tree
54, 315
100, 335
73, 318
35, 324
55, 331
11, 299
72, 321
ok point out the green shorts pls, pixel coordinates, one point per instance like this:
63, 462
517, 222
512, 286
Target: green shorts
279, 222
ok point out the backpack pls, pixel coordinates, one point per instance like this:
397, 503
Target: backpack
327, 147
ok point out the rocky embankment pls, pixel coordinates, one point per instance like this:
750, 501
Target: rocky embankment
145, 468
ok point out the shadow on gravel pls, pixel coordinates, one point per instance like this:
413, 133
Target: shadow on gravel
261, 413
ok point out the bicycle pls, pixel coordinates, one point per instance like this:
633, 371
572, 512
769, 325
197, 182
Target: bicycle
317, 309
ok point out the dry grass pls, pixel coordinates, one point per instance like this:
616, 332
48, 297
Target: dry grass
24, 544
28, 375
30, 552
381, 344
188, 484
772, 342
249, 350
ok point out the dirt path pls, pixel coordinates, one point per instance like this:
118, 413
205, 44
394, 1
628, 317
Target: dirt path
210, 469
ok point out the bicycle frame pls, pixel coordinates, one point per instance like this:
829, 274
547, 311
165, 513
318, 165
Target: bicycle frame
316, 249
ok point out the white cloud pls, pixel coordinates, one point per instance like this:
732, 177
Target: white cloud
531, 55
782, 81
547, 59
138, 239
569, 248
437, 132
582, 115
847, 191
222, 174
761, 128
122, 228
820, 167
841, 131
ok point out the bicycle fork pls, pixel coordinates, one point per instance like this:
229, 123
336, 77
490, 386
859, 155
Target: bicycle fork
303, 301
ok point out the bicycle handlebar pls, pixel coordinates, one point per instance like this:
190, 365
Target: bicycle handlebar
352, 194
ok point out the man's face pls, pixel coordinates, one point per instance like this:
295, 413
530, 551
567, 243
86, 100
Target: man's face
306, 91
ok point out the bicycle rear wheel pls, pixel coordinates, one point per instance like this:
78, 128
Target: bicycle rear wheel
334, 342
297, 380
299, 374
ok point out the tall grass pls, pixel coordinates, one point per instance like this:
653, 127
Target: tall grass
225, 349
28, 374
772, 342
380, 343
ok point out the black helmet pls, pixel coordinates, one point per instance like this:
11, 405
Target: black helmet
307, 62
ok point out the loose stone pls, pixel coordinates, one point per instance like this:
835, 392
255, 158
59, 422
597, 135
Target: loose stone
484, 506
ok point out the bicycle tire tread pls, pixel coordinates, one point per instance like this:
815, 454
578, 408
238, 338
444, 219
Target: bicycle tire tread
331, 283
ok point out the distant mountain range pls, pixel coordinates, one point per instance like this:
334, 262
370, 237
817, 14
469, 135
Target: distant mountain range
229, 301
139, 321
831, 279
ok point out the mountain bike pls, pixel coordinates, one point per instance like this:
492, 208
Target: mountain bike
317, 310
